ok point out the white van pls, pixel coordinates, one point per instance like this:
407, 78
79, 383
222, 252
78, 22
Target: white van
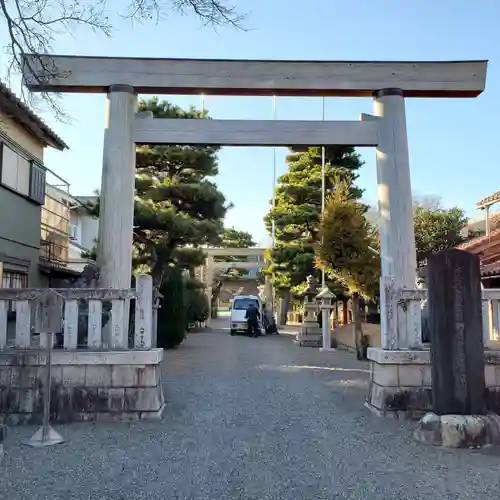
239, 307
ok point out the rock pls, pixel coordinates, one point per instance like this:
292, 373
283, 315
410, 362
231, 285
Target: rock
458, 431
428, 430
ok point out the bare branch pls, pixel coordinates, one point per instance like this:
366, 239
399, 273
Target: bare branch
211, 12
34, 25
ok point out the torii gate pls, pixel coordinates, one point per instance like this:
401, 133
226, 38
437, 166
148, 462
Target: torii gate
388, 83
211, 265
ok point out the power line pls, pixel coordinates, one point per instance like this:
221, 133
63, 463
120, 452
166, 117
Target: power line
273, 223
323, 185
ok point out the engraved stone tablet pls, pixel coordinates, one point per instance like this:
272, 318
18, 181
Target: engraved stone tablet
455, 324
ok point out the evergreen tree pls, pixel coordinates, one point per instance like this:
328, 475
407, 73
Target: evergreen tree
172, 315
233, 238
178, 208
437, 229
345, 251
297, 213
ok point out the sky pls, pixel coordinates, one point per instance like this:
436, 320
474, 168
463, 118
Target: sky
452, 142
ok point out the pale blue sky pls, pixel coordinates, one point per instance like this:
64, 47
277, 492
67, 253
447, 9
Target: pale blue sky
452, 142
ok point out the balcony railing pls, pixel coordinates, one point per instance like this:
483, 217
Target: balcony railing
54, 253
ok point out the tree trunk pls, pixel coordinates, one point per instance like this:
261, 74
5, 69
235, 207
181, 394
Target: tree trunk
345, 316
285, 307
359, 339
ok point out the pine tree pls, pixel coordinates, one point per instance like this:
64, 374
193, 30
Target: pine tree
178, 208
298, 210
345, 251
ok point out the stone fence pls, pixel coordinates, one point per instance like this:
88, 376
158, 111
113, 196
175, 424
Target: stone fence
99, 373
408, 306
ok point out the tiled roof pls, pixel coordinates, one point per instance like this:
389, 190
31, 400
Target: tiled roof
490, 269
486, 247
14, 108
489, 200
474, 242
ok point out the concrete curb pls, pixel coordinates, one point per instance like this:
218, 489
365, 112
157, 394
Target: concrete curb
459, 431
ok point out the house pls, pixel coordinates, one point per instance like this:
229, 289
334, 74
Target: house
68, 234
487, 244
83, 232
23, 138
488, 250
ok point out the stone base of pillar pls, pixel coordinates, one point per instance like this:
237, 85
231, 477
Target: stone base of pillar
310, 335
400, 384
107, 386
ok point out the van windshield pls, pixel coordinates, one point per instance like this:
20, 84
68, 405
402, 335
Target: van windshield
242, 304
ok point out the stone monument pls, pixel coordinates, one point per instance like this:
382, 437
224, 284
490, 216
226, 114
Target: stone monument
457, 355
310, 334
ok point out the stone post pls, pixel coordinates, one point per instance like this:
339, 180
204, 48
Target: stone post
116, 216
397, 239
157, 296
310, 332
209, 277
455, 320
326, 297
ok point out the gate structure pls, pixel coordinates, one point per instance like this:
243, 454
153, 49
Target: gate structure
211, 266
389, 83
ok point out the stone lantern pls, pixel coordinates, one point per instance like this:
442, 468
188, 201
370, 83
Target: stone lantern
326, 299
310, 332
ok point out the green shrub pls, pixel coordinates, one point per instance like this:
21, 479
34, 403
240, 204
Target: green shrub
196, 305
172, 313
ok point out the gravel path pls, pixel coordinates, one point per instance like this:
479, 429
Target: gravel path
249, 419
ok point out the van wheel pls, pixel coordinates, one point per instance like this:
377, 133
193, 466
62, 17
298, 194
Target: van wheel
233, 332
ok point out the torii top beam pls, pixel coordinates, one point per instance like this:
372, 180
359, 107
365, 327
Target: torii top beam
59, 73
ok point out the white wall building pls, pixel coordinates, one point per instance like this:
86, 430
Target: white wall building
83, 231
70, 220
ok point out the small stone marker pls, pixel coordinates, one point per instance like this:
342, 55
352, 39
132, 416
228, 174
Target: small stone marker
48, 312
455, 323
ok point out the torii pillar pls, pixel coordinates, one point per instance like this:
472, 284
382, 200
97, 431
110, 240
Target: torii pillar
397, 238
116, 217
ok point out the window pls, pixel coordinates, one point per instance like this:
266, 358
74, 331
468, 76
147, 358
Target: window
74, 232
242, 304
13, 279
15, 171
37, 183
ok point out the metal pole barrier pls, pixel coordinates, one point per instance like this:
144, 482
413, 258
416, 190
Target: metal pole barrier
48, 319
46, 435
48, 387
